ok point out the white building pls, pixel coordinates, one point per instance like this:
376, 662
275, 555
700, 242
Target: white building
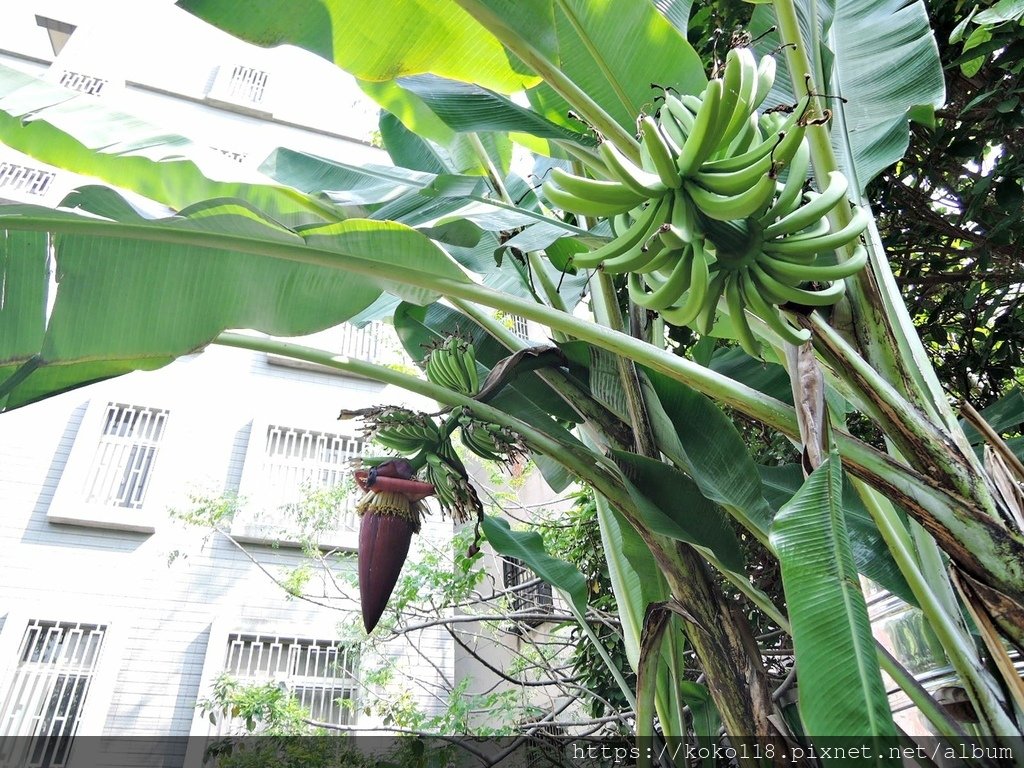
115, 618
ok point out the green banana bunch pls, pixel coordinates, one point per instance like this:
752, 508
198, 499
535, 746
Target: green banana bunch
706, 217
490, 441
448, 475
452, 364
402, 430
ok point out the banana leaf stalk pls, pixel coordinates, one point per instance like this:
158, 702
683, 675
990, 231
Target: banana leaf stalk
391, 510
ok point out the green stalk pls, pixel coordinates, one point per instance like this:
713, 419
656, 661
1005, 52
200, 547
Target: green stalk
886, 346
980, 687
612, 429
613, 670
916, 437
983, 552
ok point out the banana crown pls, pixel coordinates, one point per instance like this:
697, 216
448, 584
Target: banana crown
717, 209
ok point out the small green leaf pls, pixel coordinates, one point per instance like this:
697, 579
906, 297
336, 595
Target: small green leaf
528, 547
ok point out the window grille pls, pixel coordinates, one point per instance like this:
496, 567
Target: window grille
520, 327
88, 84
298, 461
22, 178
319, 674
528, 593
361, 343
247, 84
56, 662
123, 465
238, 157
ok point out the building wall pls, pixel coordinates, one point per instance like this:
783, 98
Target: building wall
163, 591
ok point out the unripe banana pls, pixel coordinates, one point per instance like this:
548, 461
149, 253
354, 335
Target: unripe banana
644, 251
636, 236
740, 325
629, 173
788, 198
765, 80
788, 272
662, 154
742, 59
665, 294
817, 207
702, 139
731, 207
770, 314
695, 298
567, 201
787, 293
797, 244
611, 192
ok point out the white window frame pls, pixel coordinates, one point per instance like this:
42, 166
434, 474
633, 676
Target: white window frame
224, 89
69, 505
96, 705
320, 629
254, 523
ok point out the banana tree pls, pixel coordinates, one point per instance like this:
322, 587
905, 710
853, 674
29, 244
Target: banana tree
672, 198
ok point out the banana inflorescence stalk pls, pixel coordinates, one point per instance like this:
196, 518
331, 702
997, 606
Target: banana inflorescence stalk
706, 215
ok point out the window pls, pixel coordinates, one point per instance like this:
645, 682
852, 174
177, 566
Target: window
56, 662
110, 479
376, 342
247, 83
520, 327
286, 466
242, 87
527, 592
24, 179
77, 81
125, 456
321, 675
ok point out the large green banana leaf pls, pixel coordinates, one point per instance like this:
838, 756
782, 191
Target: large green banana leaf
612, 51
375, 41
148, 291
840, 685
878, 55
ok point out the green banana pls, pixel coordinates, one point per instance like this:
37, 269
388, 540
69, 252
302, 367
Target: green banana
663, 155
629, 173
738, 316
770, 314
742, 60
799, 244
788, 198
734, 182
642, 252
664, 295
765, 80
817, 206
611, 192
635, 237
702, 139
696, 295
705, 318
731, 207
567, 201
788, 293
786, 271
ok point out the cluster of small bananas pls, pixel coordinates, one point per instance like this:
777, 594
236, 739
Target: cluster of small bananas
452, 364
450, 479
401, 430
706, 215
489, 441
